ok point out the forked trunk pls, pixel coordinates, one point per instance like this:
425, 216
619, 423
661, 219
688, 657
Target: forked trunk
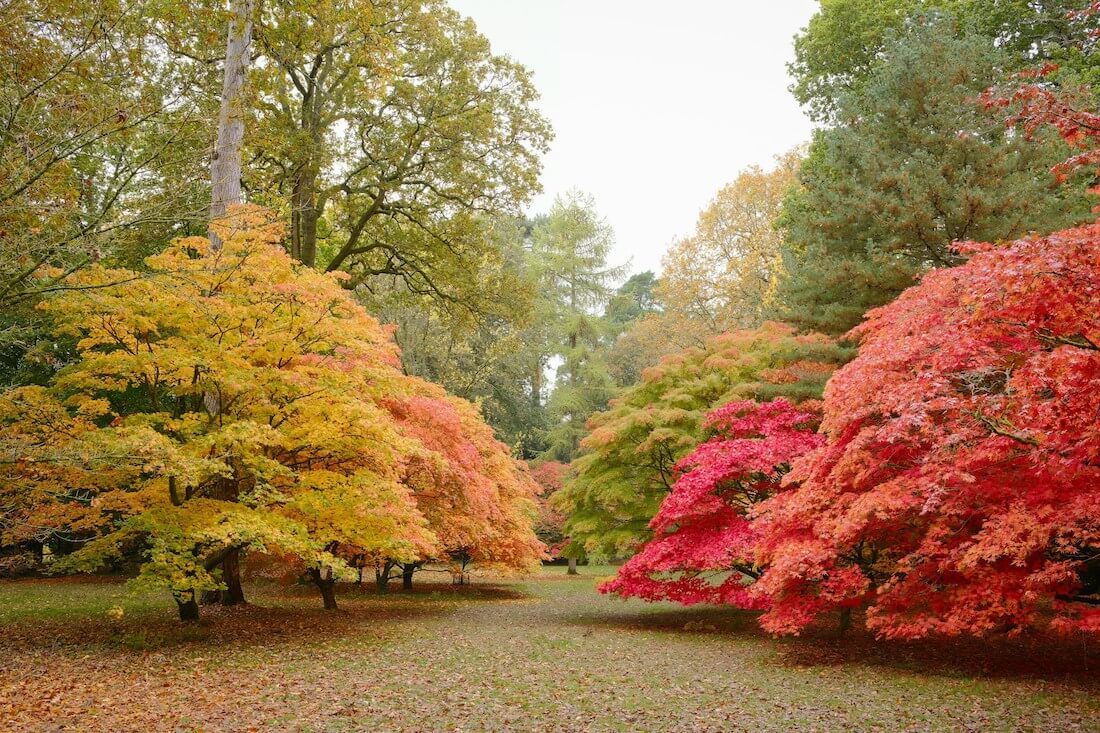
382, 577
187, 605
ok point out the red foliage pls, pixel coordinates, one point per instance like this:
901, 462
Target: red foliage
550, 475
703, 547
1037, 106
959, 491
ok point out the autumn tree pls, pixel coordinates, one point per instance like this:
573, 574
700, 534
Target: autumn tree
914, 164
957, 492
101, 151
240, 395
628, 459
550, 476
724, 276
704, 544
478, 501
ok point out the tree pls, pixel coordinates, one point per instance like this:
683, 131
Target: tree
487, 357
957, 492
916, 164
840, 47
550, 476
704, 544
633, 301
396, 136
225, 163
478, 501
102, 132
1036, 106
628, 459
240, 396
725, 275
570, 247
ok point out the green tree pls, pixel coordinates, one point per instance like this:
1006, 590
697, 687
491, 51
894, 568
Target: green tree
914, 165
840, 47
490, 356
635, 300
394, 136
570, 247
103, 133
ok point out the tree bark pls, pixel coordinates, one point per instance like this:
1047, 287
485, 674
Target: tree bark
225, 164
382, 577
572, 567
845, 619
326, 583
231, 574
407, 576
188, 607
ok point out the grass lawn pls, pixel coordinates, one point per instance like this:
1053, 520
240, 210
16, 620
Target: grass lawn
537, 654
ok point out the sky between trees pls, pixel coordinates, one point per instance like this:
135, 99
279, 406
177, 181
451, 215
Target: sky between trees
654, 108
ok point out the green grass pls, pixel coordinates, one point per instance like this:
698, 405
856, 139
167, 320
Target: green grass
543, 653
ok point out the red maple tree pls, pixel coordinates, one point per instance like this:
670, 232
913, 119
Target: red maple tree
959, 491
703, 547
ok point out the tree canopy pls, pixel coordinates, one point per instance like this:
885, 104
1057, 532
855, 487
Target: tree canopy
627, 461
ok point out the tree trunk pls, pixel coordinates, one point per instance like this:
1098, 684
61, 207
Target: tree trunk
407, 576
326, 583
185, 602
304, 216
572, 566
382, 577
231, 574
225, 164
845, 619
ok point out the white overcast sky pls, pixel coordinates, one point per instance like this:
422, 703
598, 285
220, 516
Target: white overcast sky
655, 105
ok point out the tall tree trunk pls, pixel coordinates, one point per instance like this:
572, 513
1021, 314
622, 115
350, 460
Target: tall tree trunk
326, 583
231, 574
225, 165
308, 214
572, 567
407, 576
188, 607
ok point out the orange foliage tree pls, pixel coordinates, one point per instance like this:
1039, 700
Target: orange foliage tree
478, 501
237, 400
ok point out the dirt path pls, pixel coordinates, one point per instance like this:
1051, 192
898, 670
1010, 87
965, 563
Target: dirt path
542, 655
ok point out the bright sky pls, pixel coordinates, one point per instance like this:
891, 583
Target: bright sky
655, 105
